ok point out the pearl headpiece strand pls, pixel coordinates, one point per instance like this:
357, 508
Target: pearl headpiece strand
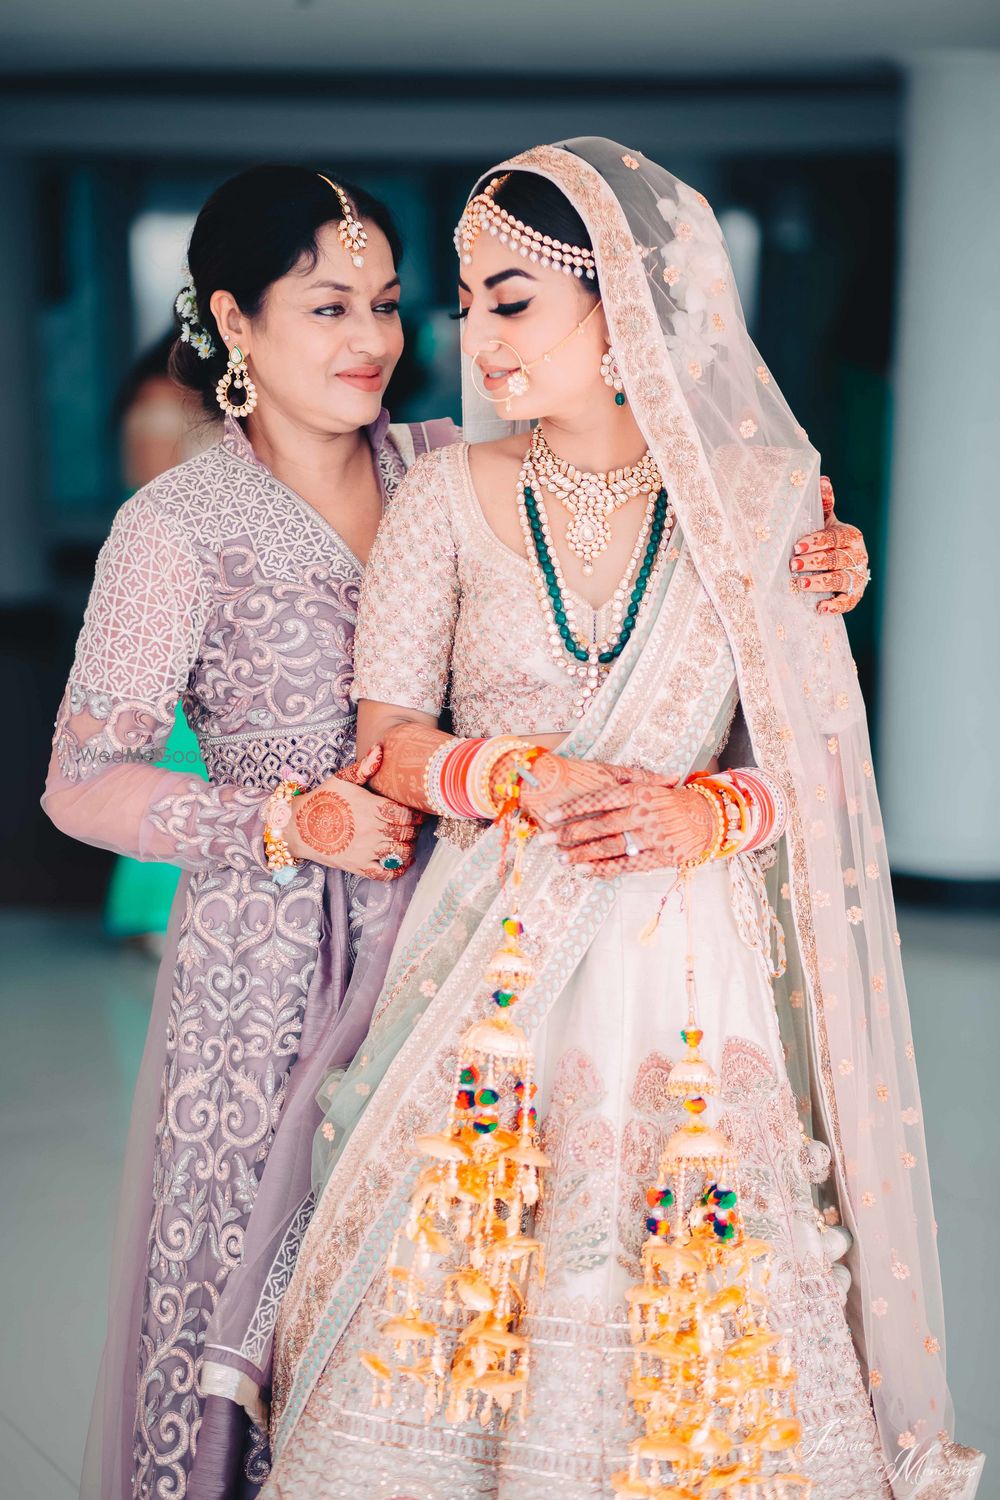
481, 212
351, 232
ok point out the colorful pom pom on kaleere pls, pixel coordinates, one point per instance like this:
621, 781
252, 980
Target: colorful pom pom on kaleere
478, 1183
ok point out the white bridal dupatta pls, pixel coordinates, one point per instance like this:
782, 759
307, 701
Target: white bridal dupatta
744, 481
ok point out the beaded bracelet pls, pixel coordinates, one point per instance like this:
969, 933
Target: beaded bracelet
736, 811
432, 780
277, 814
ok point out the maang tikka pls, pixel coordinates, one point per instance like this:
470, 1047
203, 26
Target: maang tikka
351, 232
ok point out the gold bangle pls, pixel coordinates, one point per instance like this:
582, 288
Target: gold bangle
715, 802
732, 801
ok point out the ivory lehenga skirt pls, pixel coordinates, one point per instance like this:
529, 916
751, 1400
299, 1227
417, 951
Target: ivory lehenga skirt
602, 1058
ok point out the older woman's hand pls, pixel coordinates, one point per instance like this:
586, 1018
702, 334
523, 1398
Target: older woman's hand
833, 561
340, 824
646, 822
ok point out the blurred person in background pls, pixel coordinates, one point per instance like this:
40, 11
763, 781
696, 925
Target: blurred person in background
161, 425
606, 591
229, 585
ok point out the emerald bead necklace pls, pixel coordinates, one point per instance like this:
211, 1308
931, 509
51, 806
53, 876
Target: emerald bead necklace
589, 661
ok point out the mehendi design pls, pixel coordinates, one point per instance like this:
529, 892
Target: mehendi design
406, 751
666, 824
325, 822
835, 560
561, 779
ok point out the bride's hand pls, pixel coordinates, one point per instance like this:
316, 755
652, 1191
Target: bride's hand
663, 824
341, 824
556, 779
834, 560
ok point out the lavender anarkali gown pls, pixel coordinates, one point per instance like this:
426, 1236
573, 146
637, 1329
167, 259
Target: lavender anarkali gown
219, 587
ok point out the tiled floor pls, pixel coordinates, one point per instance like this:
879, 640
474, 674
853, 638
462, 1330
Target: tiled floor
73, 1014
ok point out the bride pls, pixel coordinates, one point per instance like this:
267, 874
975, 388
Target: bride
607, 593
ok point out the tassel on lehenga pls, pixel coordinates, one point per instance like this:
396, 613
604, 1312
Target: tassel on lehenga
711, 1382
471, 1205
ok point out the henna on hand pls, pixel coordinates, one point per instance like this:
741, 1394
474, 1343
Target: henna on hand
406, 751
401, 824
324, 822
359, 772
668, 823
561, 779
834, 559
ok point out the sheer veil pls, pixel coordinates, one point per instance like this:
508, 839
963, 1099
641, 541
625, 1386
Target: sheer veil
744, 480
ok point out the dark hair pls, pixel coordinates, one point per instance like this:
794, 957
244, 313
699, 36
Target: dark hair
538, 202
250, 233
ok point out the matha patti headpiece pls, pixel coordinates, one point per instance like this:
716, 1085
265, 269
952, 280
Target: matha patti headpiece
481, 212
351, 232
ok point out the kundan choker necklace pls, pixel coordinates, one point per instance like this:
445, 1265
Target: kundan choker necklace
591, 499
589, 660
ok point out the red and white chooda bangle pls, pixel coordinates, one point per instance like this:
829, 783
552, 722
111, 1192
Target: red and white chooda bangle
752, 806
458, 775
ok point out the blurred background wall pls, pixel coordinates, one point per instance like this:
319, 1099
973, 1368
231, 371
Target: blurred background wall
848, 155
852, 154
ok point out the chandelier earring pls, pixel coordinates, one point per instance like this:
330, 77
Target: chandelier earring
237, 377
612, 375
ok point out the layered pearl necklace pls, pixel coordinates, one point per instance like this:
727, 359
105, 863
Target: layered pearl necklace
591, 499
588, 661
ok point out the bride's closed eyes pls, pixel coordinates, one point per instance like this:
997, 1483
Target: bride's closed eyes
503, 309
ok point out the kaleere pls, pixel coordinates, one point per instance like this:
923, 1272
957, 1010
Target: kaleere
711, 1382
471, 1207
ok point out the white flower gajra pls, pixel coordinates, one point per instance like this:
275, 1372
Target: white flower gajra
186, 307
